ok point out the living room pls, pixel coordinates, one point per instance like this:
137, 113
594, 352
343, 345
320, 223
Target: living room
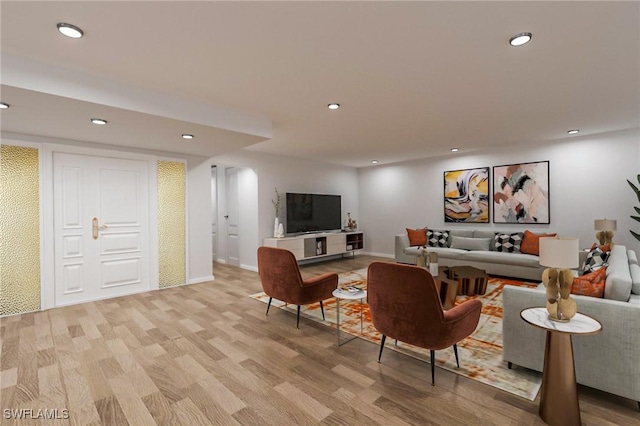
411, 92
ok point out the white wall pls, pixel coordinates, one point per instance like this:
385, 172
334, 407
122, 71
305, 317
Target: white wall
587, 181
200, 248
288, 175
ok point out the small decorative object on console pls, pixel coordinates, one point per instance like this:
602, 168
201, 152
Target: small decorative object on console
559, 254
351, 223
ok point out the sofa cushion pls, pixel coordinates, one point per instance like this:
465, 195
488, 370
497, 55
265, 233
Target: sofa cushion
515, 259
437, 238
597, 258
417, 237
470, 243
634, 269
591, 284
632, 257
618, 284
442, 252
508, 243
531, 242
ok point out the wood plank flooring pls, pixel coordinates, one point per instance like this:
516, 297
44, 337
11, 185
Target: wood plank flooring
207, 354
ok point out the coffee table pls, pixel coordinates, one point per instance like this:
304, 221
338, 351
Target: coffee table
471, 281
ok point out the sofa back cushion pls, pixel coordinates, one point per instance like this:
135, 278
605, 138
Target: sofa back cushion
465, 243
634, 269
531, 242
618, 284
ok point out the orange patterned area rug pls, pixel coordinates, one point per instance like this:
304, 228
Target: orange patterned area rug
480, 354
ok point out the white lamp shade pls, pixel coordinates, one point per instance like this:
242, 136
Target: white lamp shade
604, 225
559, 252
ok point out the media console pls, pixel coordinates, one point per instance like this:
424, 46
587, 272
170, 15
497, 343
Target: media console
312, 246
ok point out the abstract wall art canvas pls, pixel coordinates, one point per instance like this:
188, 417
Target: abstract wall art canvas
521, 193
466, 195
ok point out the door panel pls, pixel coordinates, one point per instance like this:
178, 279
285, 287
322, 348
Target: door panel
101, 228
233, 227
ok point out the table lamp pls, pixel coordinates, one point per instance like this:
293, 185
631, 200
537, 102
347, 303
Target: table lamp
604, 228
559, 255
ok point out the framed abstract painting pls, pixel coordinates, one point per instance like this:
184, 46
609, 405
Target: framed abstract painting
466, 195
521, 193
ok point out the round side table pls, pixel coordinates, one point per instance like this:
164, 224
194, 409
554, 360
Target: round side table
348, 295
559, 392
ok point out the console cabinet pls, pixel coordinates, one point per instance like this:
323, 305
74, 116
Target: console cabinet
311, 246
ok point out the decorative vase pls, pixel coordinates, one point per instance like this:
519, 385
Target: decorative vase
275, 228
280, 231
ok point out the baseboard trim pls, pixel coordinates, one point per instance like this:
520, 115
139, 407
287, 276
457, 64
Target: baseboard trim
385, 255
249, 267
200, 279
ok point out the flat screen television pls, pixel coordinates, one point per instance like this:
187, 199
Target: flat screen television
313, 213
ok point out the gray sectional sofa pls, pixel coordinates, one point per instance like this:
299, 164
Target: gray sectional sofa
609, 360
480, 255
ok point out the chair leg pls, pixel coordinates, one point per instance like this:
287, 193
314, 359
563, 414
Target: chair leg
322, 309
510, 364
381, 346
455, 351
396, 342
638, 405
433, 367
269, 305
298, 318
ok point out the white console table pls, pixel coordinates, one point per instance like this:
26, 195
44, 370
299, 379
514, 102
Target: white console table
312, 246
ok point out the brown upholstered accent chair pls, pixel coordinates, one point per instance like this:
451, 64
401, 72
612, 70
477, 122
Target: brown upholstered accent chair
280, 277
405, 305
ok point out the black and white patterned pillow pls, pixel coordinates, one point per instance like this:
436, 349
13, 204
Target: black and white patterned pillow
596, 259
437, 238
509, 243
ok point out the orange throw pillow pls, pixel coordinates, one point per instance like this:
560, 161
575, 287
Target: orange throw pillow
605, 248
591, 284
531, 242
417, 237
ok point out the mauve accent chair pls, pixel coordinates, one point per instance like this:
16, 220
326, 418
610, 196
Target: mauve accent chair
405, 305
281, 279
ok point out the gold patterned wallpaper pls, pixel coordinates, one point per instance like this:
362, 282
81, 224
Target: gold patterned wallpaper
171, 223
19, 229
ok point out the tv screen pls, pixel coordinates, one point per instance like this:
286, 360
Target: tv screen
313, 213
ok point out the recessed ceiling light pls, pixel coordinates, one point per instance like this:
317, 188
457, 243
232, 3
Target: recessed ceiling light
573, 132
333, 106
374, 161
69, 30
3, 105
455, 149
99, 121
520, 39
187, 136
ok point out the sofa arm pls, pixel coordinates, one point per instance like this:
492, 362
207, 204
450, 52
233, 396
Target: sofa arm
401, 242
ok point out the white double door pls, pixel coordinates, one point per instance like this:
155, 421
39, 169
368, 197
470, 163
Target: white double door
101, 227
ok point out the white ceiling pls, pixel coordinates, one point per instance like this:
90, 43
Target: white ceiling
413, 78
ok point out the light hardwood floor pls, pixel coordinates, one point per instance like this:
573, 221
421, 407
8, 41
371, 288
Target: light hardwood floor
207, 354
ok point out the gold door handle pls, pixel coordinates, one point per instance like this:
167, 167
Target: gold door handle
95, 228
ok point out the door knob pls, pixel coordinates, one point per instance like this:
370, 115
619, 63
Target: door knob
95, 227
226, 216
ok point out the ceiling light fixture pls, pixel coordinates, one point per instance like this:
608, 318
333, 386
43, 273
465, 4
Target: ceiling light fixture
520, 39
455, 149
3, 105
99, 121
187, 136
333, 106
573, 132
70, 30
374, 161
